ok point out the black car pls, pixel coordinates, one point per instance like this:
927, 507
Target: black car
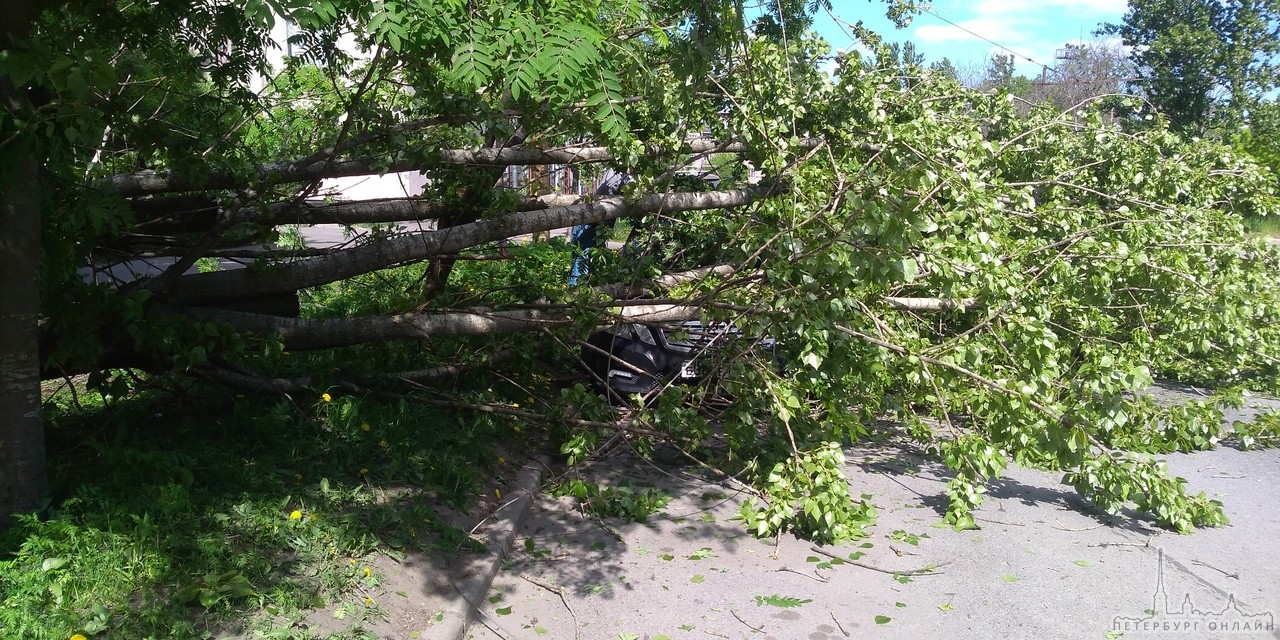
637, 358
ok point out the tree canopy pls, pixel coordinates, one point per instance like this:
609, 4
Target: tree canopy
1000, 285
1203, 63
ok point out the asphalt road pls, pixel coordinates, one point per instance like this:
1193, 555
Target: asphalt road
1043, 565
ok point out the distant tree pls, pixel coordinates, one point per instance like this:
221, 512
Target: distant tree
946, 68
1261, 135
1203, 63
903, 58
1085, 71
1000, 75
906, 55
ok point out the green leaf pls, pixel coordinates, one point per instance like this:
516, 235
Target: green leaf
504, 611
784, 602
697, 579
909, 269
883, 619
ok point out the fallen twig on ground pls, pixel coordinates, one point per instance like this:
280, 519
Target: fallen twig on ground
928, 570
801, 573
560, 593
1235, 576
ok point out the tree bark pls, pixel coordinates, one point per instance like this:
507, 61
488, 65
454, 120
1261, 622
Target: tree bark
143, 183
210, 288
183, 214
302, 334
23, 479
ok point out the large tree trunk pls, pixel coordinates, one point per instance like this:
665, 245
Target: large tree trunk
211, 288
22, 460
22, 457
143, 183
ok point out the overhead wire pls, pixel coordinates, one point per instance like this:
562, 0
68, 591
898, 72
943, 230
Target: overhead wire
983, 38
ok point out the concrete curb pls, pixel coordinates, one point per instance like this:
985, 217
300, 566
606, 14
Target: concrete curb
470, 590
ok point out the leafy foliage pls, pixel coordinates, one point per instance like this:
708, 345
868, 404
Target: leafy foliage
1000, 283
628, 503
1203, 62
809, 495
785, 602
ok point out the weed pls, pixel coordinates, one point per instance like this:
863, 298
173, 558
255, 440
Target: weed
623, 501
180, 513
785, 602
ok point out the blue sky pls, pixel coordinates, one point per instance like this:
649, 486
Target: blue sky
1032, 29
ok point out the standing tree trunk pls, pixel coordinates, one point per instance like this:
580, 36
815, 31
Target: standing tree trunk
22, 463
22, 457
540, 181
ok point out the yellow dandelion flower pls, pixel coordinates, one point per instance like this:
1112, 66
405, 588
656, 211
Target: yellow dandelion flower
502, 460
351, 561
368, 572
368, 602
296, 514
79, 636
364, 471
364, 426
498, 493
515, 404
517, 428
326, 397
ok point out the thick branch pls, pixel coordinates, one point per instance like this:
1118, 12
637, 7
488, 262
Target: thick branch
358, 212
930, 304
150, 182
301, 334
187, 216
639, 289
207, 288
261, 384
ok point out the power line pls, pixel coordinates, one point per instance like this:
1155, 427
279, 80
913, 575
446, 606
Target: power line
985, 39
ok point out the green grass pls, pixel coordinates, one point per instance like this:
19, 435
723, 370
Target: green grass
180, 513
186, 511
1268, 227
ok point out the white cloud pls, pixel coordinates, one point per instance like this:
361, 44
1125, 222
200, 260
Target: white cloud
991, 28
1031, 28
1045, 8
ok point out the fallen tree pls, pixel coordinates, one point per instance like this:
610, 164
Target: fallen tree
999, 285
